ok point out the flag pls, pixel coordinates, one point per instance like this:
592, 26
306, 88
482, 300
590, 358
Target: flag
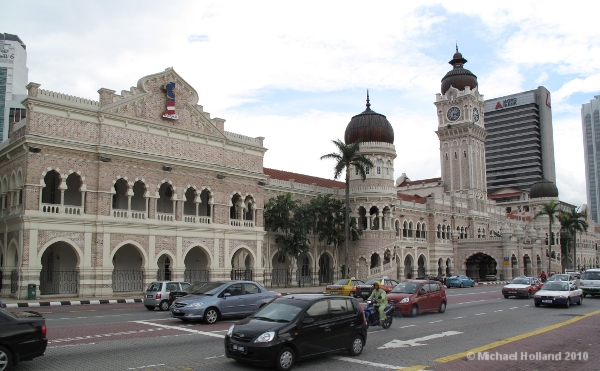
170, 112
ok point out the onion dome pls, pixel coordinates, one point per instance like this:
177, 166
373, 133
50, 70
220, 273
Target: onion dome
505, 230
369, 126
543, 189
532, 233
458, 77
518, 232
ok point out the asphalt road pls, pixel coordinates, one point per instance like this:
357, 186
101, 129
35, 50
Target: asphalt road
129, 337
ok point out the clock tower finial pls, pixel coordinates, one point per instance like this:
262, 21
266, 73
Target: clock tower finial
368, 102
457, 46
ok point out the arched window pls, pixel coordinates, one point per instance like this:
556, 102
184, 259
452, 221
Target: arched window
405, 229
165, 202
439, 231
51, 193
73, 193
119, 199
190, 206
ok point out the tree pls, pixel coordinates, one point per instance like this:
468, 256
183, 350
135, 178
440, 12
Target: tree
348, 156
291, 221
550, 210
573, 222
330, 214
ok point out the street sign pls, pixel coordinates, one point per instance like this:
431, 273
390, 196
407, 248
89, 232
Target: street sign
506, 258
506, 262
416, 342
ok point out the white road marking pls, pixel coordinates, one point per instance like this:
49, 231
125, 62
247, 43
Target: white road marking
479, 314
367, 363
415, 342
181, 329
436, 321
407, 326
499, 310
102, 335
459, 317
137, 368
222, 355
69, 318
526, 305
513, 308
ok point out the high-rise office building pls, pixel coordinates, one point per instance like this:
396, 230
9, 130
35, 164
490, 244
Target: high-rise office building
519, 145
590, 120
13, 79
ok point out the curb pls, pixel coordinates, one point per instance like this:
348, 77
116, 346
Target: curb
493, 283
76, 302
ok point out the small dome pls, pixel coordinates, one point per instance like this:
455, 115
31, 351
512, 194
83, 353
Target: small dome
532, 233
518, 232
369, 126
458, 77
543, 189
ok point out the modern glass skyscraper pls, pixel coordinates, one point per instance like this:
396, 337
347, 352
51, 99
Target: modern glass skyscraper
13, 79
519, 147
590, 120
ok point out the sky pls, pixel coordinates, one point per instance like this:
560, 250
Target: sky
295, 72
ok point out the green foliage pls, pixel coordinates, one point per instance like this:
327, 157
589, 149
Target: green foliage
291, 221
330, 214
550, 209
571, 223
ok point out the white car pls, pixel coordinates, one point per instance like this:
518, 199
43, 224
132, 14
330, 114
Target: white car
590, 282
558, 293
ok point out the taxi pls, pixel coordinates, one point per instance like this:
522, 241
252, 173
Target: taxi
346, 286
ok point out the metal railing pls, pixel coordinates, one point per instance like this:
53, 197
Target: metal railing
325, 276
59, 282
280, 277
304, 277
127, 280
241, 274
196, 275
163, 275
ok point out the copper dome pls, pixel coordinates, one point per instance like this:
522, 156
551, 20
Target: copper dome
542, 189
369, 126
458, 77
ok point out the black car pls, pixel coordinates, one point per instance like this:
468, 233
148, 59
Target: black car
296, 327
22, 337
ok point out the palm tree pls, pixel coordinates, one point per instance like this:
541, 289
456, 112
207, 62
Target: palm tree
576, 222
550, 210
348, 156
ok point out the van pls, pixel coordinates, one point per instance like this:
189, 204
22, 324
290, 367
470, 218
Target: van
590, 282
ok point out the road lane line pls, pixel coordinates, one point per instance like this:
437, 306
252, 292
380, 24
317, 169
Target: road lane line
512, 339
479, 314
513, 308
102, 335
141, 367
367, 363
407, 326
436, 321
459, 317
180, 328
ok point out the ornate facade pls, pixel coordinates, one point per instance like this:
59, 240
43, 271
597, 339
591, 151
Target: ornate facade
100, 198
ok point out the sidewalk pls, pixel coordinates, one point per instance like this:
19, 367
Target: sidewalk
135, 298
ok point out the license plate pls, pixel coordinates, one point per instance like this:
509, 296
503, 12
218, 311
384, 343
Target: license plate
149, 296
546, 301
176, 311
238, 348
333, 292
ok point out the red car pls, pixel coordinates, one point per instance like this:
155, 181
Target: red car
522, 287
365, 289
418, 296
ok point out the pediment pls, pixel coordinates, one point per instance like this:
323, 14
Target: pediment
165, 98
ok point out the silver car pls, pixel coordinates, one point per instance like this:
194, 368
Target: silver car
222, 299
157, 294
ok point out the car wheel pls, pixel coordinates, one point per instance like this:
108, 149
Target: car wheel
580, 300
528, 295
356, 346
442, 307
414, 311
149, 307
461, 285
285, 359
537, 304
164, 305
568, 303
5, 359
473, 284
211, 315
387, 323
505, 296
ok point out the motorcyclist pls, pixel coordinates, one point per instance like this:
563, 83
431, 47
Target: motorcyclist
380, 300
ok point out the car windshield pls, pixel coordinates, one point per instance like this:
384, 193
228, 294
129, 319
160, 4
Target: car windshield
372, 281
591, 276
342, 282
279, 311
210, 288
560, 277
556, 286
406, 288
155, 286
195, 287
185, 286
520, 281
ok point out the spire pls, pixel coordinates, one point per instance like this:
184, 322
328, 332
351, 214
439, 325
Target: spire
457, 46
368, 102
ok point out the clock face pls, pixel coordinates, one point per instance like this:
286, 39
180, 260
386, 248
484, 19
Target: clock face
453, 113
475, 114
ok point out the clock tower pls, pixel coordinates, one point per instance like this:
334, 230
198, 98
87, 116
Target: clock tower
461, 131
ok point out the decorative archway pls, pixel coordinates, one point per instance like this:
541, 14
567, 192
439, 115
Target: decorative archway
242, 264
422, 267
128, 275
514, 264
440, 267
480, 265
527, 271
325, 269
197, 263
408, 267
59, 274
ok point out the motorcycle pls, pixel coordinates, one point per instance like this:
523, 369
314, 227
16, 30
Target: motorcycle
372, 314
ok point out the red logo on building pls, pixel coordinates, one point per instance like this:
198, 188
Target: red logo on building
498, 105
